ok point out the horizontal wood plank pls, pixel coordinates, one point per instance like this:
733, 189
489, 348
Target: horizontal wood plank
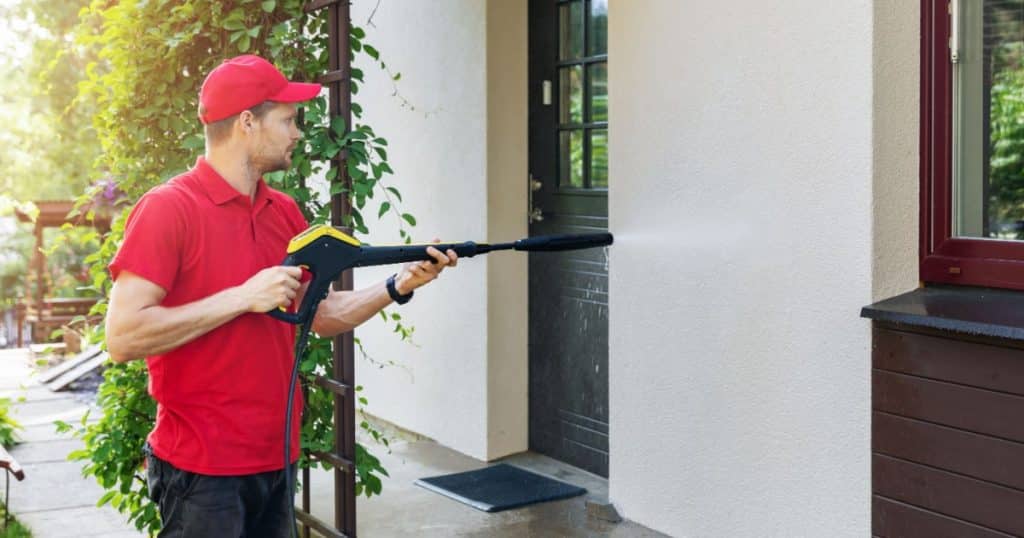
946, 359
967, 408
959, 497
893, 519
978, 456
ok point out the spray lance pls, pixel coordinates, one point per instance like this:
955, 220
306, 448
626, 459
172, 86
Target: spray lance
326, 253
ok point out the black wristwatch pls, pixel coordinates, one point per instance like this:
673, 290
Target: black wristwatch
393, 292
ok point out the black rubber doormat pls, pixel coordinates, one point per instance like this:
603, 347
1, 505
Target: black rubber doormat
499, 487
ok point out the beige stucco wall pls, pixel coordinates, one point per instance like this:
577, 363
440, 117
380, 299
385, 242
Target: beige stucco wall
457, 134
507, 276
896, 186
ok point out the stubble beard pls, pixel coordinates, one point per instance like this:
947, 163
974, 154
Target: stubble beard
263, 164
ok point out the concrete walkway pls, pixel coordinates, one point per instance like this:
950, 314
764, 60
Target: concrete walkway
54, 500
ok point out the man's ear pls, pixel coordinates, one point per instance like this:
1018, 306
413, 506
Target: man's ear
246, 121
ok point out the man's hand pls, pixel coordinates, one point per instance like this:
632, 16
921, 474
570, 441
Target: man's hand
273, 287
416, 274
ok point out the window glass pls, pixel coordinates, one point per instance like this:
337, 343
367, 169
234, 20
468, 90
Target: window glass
988, 119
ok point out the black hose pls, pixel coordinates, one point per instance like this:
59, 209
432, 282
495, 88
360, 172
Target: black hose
300, 348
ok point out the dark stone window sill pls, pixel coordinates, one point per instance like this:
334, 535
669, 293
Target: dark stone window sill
973, 311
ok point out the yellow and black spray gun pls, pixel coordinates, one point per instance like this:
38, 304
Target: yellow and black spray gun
326, 253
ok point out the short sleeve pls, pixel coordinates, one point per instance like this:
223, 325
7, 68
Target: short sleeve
153, 239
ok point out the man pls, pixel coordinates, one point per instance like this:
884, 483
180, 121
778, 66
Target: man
192, 281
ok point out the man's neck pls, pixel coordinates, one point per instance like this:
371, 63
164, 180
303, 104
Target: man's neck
236, 169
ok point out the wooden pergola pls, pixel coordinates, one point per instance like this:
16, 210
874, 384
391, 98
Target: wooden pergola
39, 310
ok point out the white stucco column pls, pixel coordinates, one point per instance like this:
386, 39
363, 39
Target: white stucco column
740, 195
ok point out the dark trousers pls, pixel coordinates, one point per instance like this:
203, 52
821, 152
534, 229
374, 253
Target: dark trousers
199, 506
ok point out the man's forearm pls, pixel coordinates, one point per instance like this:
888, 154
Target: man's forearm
343, 311
157, 329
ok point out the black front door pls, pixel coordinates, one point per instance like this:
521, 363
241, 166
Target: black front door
569, 192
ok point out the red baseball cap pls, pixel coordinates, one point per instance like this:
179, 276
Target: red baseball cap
243, 82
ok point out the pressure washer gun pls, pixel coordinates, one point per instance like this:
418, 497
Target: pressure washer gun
326, 253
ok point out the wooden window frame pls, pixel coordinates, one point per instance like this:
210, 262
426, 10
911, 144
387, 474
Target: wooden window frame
944, 258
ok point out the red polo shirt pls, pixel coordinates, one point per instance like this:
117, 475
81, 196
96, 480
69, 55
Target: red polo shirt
220, 398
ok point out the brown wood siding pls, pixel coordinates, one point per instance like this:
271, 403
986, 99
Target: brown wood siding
893, 518
947, 435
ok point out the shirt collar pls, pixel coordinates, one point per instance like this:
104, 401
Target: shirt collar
220, 191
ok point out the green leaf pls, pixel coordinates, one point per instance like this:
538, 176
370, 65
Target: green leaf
243, 44
394, 191
106, 497
192, 142
269, 5
384, 207
338, 125
234, 24
372, 52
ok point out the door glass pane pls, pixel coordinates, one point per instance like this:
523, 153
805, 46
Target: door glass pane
570, 158
570, 19
597, 35
570, 90
598, 92
599, 158
988, 121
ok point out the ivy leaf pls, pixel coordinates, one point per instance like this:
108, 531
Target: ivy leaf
394, 191
409, 218
384, 207
372, 52
106, 497
234, 24
338, 125
194, 141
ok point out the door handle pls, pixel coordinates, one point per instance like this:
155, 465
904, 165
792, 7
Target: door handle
534, 213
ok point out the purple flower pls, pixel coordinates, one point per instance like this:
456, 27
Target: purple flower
110, 191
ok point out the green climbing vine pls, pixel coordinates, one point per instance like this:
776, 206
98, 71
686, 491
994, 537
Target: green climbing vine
151, 57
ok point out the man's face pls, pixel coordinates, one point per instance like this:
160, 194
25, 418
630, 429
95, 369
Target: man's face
276, 136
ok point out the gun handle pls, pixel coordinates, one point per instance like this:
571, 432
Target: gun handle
315, 292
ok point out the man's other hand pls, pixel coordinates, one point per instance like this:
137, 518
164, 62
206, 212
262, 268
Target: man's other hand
273, 287
416, 274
